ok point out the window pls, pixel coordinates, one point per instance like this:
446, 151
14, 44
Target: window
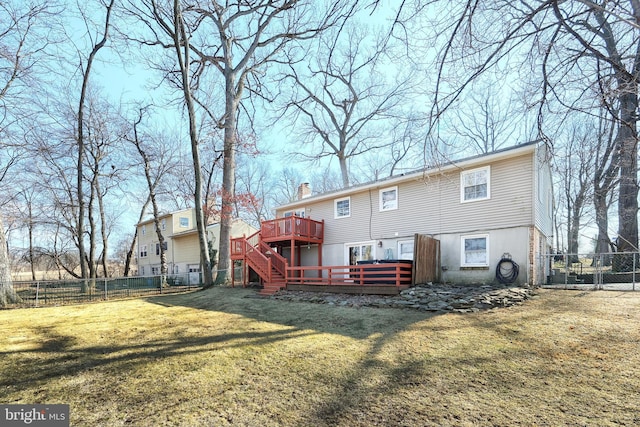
475, 184
388, 199
164, 246
142, 270
343, 207
405, 249
298, 213
193, 268
163, 224
155, 271
143, 230
184, 222
475, 251
143, 251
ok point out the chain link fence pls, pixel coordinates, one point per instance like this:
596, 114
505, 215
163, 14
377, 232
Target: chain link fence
61, 292
618, 271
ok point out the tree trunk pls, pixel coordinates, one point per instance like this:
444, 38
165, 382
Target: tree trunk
344, 171
7, 293
232, 98
31, 252
103, 230
81, 140
603, 243
181, 41
627, 145
132, 248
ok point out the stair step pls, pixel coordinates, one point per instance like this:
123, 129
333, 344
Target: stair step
272, 288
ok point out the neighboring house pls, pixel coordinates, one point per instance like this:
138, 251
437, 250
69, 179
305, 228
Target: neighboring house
181, 242
479, 209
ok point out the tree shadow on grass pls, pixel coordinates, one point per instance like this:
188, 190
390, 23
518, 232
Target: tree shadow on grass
519, 359
353, 322
58, 355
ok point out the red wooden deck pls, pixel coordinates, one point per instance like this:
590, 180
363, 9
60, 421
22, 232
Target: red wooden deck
276, 272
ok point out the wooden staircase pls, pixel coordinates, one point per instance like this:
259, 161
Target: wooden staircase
278, 281
264, 260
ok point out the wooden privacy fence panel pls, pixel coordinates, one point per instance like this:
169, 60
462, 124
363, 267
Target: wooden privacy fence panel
426, 259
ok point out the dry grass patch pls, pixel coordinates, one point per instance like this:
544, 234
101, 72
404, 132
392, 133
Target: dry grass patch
219, 358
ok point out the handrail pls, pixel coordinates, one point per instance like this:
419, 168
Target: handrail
258, 261
278, 262
398, 274
238, 247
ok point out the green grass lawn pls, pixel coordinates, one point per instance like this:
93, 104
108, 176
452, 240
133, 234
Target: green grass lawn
219, 357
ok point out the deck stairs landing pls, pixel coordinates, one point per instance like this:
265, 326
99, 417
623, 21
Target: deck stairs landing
277, 282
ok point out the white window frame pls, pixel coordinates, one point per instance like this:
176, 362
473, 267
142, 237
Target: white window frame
463, 261
143, 230
163, 224
405, 242
186, 219
143, 251
392, 204
465, 174
335, 207
360, 245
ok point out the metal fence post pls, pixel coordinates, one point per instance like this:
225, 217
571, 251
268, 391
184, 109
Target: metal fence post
634, 272
105, 289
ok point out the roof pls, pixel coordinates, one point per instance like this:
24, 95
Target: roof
463, 163
162, 216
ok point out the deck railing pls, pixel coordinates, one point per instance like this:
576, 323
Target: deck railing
258, 261
398, 274
278, 262
239, 245
292, 226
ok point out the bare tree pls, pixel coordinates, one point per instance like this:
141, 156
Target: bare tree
20, 47
344, 98
155, 164
574, 165
86, 65
487, 121
7, 293
235, 39
605, 174
575, 45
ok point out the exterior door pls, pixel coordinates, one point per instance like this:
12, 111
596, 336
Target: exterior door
355, 252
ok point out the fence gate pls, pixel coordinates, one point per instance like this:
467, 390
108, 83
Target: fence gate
426, 259
607, 271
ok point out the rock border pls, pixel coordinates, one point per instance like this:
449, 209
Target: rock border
427, 297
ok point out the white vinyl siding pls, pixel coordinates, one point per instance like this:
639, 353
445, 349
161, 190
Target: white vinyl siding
431, 205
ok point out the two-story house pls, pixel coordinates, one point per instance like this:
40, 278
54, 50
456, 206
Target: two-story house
480, 209
182, 248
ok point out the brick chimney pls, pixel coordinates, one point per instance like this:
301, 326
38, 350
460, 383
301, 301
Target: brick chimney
304, 191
